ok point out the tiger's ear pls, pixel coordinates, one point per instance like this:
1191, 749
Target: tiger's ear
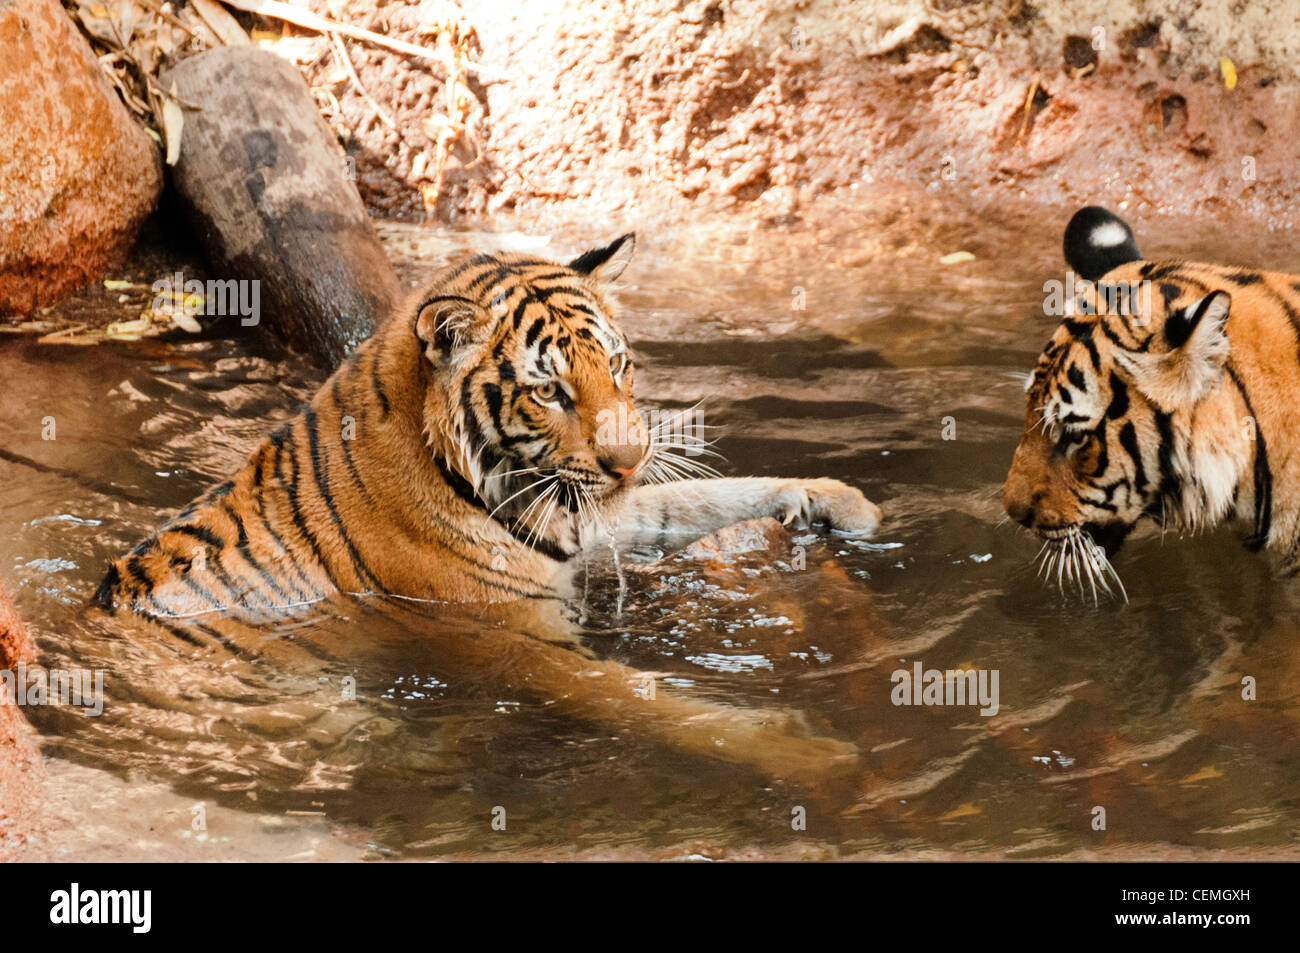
1097, 241
1196, 343
446, 323
607, 263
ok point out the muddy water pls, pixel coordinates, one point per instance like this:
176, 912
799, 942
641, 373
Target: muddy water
814, 358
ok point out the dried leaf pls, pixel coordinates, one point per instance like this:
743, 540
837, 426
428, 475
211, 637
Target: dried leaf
1229, 72
222, 23
965, 810
127, 16
1207, 773
185, 321
96, 21
145, 53
173, 121
120, 328
956, 258
163, 40
295, 49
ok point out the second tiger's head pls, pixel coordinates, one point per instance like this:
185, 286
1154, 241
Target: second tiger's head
1120, 423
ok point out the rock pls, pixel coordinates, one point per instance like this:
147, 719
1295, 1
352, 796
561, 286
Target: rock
15, 647
78, 175
729, 544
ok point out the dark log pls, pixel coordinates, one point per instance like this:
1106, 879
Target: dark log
265, 186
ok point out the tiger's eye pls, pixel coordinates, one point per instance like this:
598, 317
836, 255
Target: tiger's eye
618, 363
546, 392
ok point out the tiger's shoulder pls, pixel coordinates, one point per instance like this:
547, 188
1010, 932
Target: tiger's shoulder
404, 474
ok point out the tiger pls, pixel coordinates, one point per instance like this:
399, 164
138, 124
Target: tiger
467, 452
1164, 394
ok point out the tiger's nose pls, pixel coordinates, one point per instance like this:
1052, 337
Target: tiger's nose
1021, 512
622, 460
1018, 503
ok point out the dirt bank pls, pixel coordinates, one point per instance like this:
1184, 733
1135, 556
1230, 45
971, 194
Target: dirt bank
773, 108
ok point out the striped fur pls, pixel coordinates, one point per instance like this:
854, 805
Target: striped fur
484, 436
459, 455
1166, 394
386, 481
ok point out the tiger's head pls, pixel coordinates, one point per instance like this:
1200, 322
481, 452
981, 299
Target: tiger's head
1122, 420
533, 378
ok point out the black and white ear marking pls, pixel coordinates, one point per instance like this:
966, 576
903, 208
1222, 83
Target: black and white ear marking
1097, 241
1181, 324
607, 263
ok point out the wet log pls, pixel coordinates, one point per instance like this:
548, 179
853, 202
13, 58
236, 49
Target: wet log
264, 183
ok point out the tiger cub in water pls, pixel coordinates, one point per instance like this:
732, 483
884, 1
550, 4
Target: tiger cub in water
464, 453
1168, 393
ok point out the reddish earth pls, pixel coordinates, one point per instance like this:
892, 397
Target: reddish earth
771, 110
18, 762
77, 174
774, 112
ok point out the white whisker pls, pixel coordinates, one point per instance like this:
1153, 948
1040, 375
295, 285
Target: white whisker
534, 485
1076, 560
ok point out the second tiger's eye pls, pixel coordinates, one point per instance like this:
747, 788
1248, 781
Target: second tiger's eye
618, 363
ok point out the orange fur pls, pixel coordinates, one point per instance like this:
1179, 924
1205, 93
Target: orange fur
421, 470
1173, 403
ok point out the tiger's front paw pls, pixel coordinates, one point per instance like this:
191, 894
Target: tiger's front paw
843, 508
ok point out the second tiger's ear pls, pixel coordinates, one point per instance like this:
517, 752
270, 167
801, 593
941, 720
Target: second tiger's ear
446, 324
1193, 352
1097, 241
605, 264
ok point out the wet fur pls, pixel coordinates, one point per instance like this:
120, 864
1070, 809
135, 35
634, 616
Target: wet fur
459, 486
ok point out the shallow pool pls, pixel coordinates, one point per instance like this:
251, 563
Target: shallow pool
815, 356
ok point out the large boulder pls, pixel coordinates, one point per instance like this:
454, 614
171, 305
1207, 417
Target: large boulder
78, 175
